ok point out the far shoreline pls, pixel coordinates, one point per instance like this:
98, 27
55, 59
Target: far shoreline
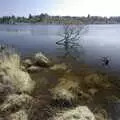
36, 24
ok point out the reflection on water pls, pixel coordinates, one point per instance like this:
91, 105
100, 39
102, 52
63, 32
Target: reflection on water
75, 53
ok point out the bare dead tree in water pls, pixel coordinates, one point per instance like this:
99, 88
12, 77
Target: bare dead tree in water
70, 37
71, 34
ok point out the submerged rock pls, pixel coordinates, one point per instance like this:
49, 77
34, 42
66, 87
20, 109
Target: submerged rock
34, 69
78, 113
61, 66
41, 60
92, 79
96, 80
92, 91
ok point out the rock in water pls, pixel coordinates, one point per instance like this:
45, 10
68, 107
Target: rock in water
32, 69
96, 80
92, 91
61, 66
78, 113
41, 60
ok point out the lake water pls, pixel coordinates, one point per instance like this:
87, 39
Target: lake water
97, 41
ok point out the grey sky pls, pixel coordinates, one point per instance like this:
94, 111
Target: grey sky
60, 7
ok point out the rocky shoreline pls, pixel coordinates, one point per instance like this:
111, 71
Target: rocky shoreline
38, 89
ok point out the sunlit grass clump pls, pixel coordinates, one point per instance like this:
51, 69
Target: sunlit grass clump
10, 64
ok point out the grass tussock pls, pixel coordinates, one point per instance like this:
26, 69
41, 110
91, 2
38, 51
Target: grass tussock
10, 64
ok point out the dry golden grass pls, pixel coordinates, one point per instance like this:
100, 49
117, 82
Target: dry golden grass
11, 65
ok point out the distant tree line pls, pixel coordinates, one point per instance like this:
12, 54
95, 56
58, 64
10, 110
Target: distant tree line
47, 19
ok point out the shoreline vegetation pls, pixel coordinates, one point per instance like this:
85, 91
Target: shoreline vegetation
44, 18
37, 88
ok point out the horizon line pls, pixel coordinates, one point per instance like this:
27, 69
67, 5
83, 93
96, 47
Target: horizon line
59, 15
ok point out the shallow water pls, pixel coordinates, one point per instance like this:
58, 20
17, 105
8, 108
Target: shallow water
106, 97
97, 41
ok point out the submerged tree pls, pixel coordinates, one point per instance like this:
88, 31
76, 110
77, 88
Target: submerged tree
70, 38
71, 33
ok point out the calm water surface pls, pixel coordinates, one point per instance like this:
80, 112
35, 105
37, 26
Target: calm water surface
97, 41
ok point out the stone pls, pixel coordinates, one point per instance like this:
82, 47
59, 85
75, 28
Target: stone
41, 60
92, 91
96, 80
61, 66
33, 69
92, 79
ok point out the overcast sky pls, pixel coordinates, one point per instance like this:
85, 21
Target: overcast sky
60, 7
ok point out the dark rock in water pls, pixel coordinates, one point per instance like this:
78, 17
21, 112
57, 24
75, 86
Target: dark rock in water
41, 60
